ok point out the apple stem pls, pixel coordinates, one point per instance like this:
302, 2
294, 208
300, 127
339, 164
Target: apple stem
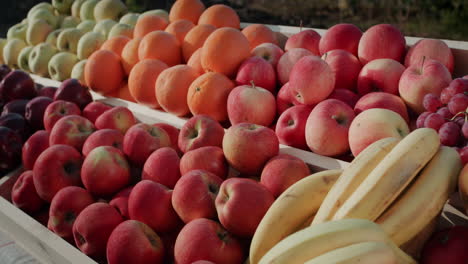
252, 83
300, 25
325, 56
422, 63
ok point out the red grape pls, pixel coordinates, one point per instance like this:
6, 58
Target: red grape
445, 112
464, 154
421, 118
459, 85
432, 102
465, 130
460, 120
446, 95
458, 103
449, 134
434, 121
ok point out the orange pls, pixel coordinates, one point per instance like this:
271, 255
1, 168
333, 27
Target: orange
224, 50
124, 93
180, 28
208, 95
130, 55
195, 39
142, 80
186, 9
258, 34
162, 46
103, 72
148, 23
116, 44
172, 87
220, 16
195, 61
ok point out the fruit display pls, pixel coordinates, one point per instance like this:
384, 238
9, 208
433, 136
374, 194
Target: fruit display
201, 150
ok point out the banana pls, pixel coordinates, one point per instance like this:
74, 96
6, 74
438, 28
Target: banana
382, 186
290, 211
424, 199
353, 176
319, 239
360, 253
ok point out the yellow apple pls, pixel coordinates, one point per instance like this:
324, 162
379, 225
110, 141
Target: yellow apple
109, 9
17, 31
89, 43
43, 5
86, 25
11, 51
70, 22
129, 19
61, 65
37, 32
39, 58
23, 58
121, 30
78, 71
53, 36
68, 40
104, 27
75, 8
46, 15
87, 9
62, 6
2, 44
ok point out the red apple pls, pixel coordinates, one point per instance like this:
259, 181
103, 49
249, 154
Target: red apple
435, 49
17, 106
311, 80
194, 195
93, 227
205, 239
103, 137
141, 140
94, 109
345, 66
380, 75
307, 39
287, 62
17, 85
162, 166
209, 158
17, 123
134, 242
35, 110
10, 144
71, 90
291, 124
105, 171
284, 99
259, 71
160, 215
33, 147
24, 195
327, 128
447, 246
173, 133
420, 79
56, 167
382, 100
119, 118
251, 104
120, 202
247, 147
4, 70
268, 51
341, 36
236, 211
382, 41
57, 110
346, 96
66, 205
47, 91
71, 130
200, 131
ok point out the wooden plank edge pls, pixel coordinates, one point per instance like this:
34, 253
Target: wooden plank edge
36, 239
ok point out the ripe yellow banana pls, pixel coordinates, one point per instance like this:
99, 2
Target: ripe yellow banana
360, 253
383, 185
319, 239
352, 177
424, 199
294, 207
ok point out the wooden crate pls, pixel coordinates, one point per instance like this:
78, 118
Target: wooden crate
47, 247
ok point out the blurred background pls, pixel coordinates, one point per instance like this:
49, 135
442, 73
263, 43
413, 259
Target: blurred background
421, 18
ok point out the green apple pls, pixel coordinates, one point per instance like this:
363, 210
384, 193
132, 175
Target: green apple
11, 52
87, 9
68, 40
121, 30
89, 43
17, 31
78, 71
37, 32
86, 25
43, 5
2, 44
159, 12
70, 22
53, 36
109, 9
75, 8
23, 58
130, 19
61, 65
62, 6
39, 58
46, 15
104, 26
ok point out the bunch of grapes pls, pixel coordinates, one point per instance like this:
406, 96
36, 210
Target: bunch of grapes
448, 115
